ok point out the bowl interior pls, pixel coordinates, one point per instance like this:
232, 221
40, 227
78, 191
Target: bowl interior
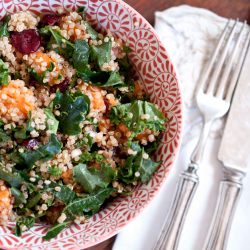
156, 72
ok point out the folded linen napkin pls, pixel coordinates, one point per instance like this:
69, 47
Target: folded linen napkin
189, 35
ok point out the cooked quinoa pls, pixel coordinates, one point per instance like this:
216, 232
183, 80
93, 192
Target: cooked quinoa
76, 128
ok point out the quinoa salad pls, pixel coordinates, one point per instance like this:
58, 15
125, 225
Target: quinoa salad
76, 127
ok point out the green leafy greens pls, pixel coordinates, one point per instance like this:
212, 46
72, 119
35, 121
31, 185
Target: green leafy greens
43, 153
33, 200
13, 179
55, 230
22, 132
93, 179
40, 77
137, 163
81, 55
124, 63
114, 80
73, 109
93, 34
94, 156
65, 47
19, 197
55, 171
4, 137
138, 116
4, 73
51, 122
101, 54
28, 222
66, 195
4, 27
88, 205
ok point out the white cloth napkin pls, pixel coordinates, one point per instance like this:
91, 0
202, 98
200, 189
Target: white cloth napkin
189, 35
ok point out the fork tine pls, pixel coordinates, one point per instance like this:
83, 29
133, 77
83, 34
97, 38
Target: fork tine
221, 60
214, 56
223, 82
238, 68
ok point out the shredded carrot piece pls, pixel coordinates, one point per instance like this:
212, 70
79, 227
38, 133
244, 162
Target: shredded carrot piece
138, 88
5, 197
67, 176
15, 97
96, 97
41, 58
123, 128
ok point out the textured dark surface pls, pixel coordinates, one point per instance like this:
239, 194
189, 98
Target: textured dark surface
227, 8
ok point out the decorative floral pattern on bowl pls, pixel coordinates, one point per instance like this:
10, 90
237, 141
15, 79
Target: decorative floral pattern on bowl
156, 72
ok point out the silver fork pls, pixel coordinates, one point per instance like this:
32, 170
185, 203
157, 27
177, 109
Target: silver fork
213, 99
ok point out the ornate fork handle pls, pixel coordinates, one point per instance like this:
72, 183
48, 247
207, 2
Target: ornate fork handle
186, 187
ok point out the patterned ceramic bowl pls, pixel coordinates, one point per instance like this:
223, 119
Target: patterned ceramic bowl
156, 72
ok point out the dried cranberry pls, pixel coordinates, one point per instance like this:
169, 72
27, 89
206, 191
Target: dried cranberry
27, 41
33, 82
63, 86
50, 19
106, 102
30, 143
53, 213
118, 152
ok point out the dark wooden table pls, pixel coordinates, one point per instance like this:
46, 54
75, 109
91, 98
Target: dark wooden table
227, 8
